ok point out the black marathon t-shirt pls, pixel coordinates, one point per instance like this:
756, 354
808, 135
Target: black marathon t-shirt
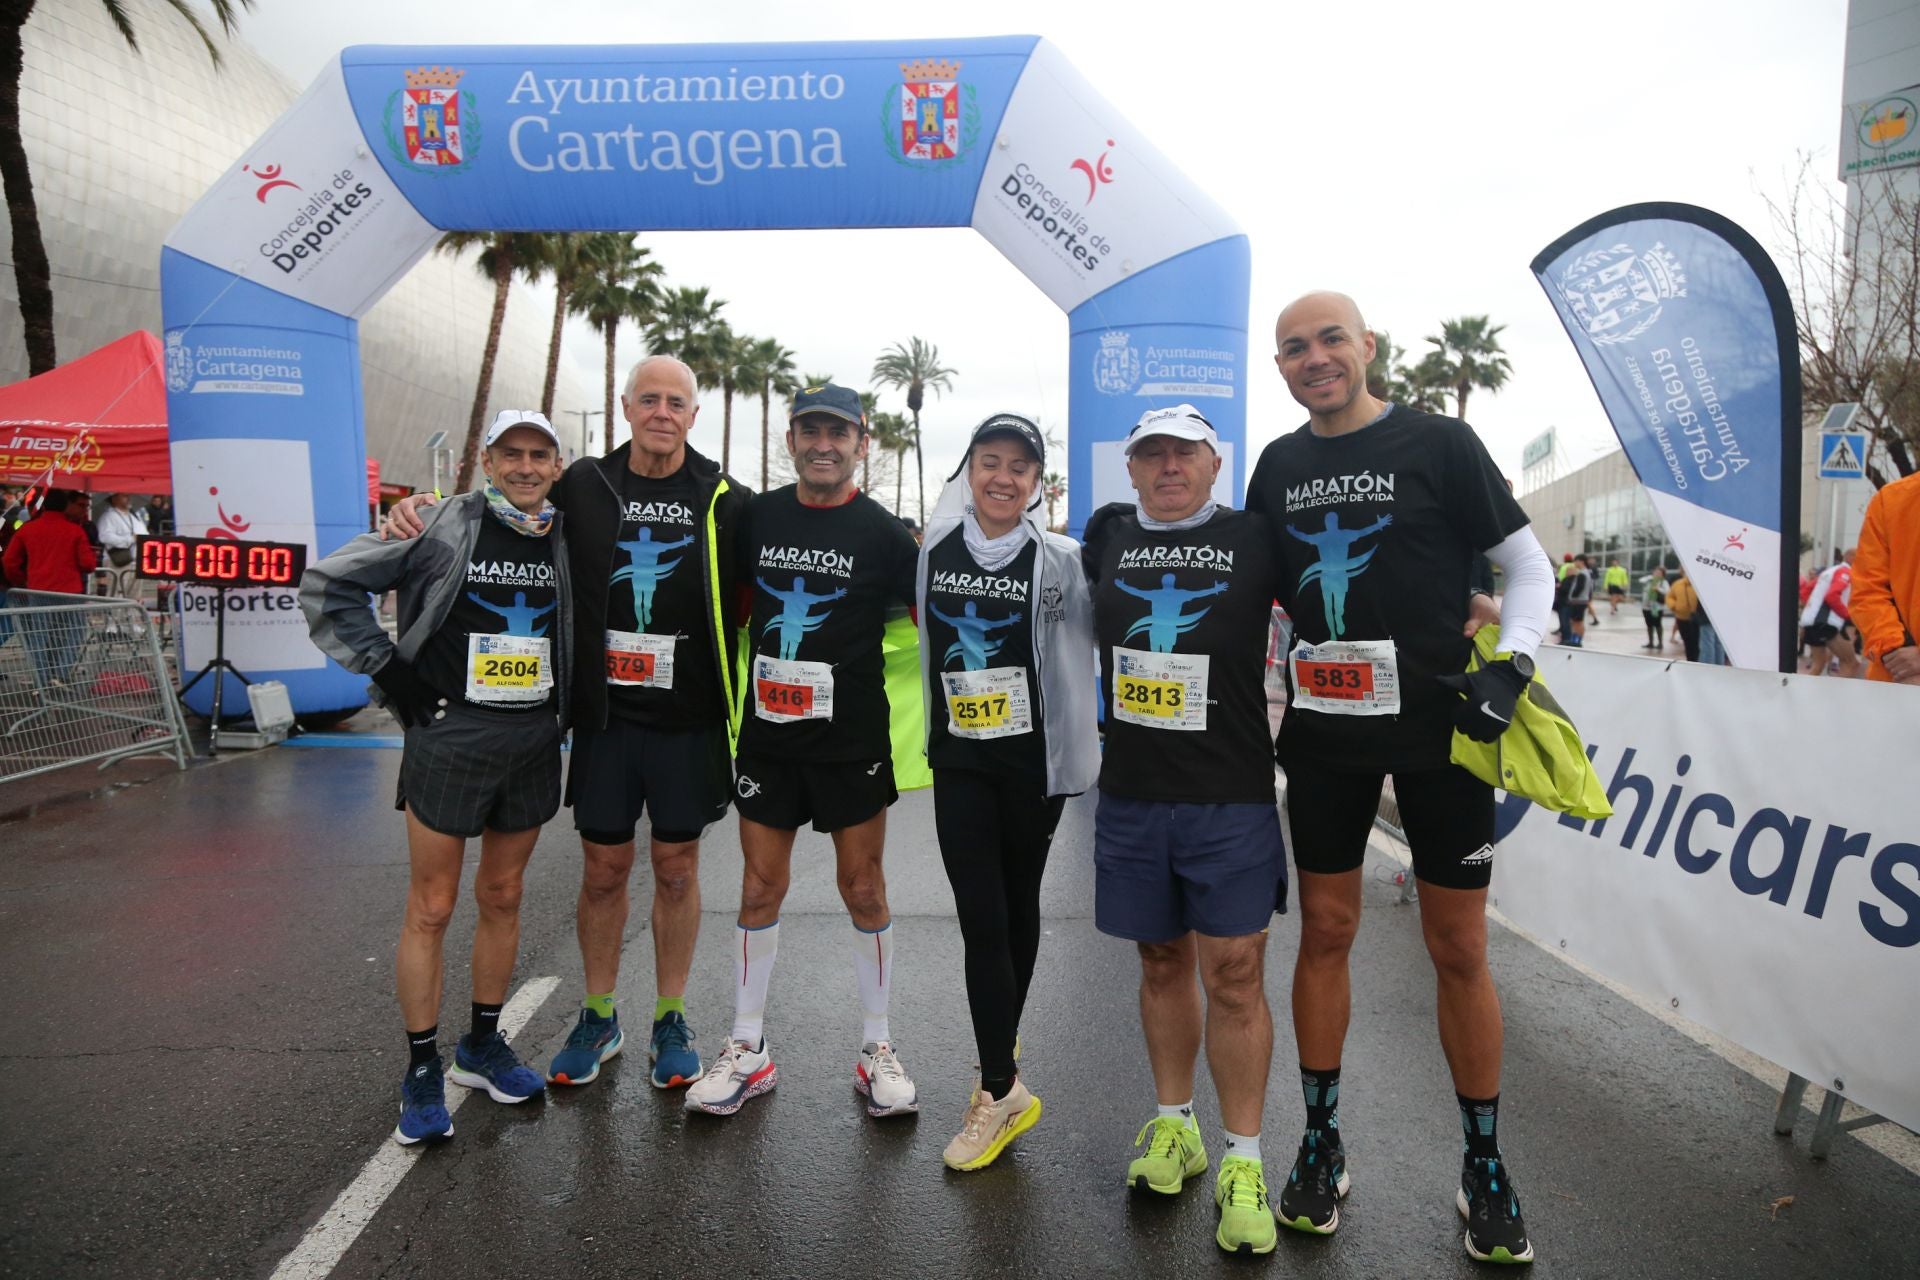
656, 590
980, 629
822, 581
1182, 618
1378, 530
510, 588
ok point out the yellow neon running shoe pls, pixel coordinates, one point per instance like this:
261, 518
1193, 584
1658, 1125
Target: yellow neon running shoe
1174, 1154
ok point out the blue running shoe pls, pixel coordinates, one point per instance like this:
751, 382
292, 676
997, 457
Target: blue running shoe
672, 1053
594, 1039
423, 1106
491, 1065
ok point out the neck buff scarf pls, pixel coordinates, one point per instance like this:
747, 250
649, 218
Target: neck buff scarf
533, 526
993, 554
1193, 521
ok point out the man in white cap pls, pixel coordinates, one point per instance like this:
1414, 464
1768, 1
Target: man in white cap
1188, 858
479, 675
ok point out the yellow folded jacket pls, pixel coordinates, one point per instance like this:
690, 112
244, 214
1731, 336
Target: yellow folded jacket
1541, 756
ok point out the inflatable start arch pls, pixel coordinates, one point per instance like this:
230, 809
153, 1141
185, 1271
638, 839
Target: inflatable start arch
263, 280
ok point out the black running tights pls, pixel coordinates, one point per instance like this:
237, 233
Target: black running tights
994, 831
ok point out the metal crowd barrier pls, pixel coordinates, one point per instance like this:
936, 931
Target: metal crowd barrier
82, 679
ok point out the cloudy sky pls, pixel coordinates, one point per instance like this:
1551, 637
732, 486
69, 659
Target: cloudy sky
1414, 154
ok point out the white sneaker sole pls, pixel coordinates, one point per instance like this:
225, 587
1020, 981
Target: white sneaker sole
1466, 1213
405, 1141
474, 1080
877, 1109
754, 1089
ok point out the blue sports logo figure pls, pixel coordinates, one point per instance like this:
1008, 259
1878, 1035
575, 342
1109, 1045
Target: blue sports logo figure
646, 570
519, 616
973, 646
793, 619
1164, 623
1338, 566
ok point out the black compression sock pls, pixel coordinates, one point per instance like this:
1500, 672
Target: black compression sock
423, 1046
486, 1021
1322, 1092
1479, 1119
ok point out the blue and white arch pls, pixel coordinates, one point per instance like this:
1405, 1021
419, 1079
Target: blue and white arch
264, 280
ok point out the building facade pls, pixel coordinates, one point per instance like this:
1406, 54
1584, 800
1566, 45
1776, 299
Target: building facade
122, 143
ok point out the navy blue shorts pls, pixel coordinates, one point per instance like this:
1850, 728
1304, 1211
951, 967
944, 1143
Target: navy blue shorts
1164, 870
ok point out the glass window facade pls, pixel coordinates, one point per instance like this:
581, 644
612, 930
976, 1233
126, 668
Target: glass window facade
1621, 524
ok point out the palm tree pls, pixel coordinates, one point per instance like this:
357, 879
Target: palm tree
683, 313
815, 379
33, 277
1470, 348
892, 432
623, 287
503, 254
767, 366
572, 257
914, 366
869, 407
1054, 486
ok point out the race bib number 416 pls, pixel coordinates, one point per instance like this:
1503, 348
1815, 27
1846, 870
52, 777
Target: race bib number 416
1160, 690
785, 691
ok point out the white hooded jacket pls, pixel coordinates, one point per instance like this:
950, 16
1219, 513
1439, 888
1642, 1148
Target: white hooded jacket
1061, 616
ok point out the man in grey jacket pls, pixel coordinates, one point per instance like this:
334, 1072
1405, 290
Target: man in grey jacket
479, 676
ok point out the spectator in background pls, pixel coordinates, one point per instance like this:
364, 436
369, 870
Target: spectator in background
160, 514
1616, 582
52, 554
1712, 652
1886, 582
1684, 603
1653, 606
1824, 618
1579, 584
118, 526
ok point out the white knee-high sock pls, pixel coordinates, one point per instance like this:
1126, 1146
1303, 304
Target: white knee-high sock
753, 953
873, 966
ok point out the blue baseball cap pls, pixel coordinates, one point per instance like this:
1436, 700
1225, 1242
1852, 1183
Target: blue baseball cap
841, 402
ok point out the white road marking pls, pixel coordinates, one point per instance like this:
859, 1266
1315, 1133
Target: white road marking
328, 1240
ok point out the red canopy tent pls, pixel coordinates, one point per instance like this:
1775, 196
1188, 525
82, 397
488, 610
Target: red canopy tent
100, 422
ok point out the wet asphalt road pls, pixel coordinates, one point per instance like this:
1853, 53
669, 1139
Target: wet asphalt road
202, 1052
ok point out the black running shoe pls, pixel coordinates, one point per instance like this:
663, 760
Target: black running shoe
1311, 1199
1495, 1231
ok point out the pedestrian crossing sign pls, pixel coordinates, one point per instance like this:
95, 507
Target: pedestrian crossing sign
1843, 455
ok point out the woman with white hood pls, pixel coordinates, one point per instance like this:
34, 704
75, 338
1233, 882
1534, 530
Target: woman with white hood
1006, 653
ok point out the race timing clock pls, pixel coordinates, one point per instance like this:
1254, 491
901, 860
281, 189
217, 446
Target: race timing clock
220, 562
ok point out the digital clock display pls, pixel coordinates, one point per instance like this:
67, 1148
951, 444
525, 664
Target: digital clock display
220, 562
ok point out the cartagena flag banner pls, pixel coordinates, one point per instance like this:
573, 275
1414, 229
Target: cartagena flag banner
1685, 328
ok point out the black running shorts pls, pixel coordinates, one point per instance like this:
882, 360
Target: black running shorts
680, 778
834, 796
1447, 814
475, 770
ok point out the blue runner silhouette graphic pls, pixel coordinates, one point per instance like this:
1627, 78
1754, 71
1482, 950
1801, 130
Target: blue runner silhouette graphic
973, 646
646, 570
1164, 623
792, 618
519, 615
1337, 566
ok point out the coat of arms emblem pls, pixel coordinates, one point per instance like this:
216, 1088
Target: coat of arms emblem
430, 117
1617, 293
179, 362
930, 109
1116, 365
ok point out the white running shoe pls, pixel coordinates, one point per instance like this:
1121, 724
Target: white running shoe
739, 1072
879, 1075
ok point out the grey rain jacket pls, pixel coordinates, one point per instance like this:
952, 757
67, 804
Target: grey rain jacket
1062, 621
427, 571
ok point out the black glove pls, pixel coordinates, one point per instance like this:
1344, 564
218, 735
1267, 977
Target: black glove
1491, 694
412, 699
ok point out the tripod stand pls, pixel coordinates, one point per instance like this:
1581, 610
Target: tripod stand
220, 665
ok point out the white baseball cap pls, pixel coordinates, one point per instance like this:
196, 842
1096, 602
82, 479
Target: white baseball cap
1181, 421
507, 419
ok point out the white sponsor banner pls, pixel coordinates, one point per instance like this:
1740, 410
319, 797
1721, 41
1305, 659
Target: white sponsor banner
1761, 870
1112, 484
1736, 569
252, 491
1076, 197
308, 211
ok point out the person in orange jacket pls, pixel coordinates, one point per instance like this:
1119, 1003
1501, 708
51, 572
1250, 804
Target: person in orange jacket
1886, 582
